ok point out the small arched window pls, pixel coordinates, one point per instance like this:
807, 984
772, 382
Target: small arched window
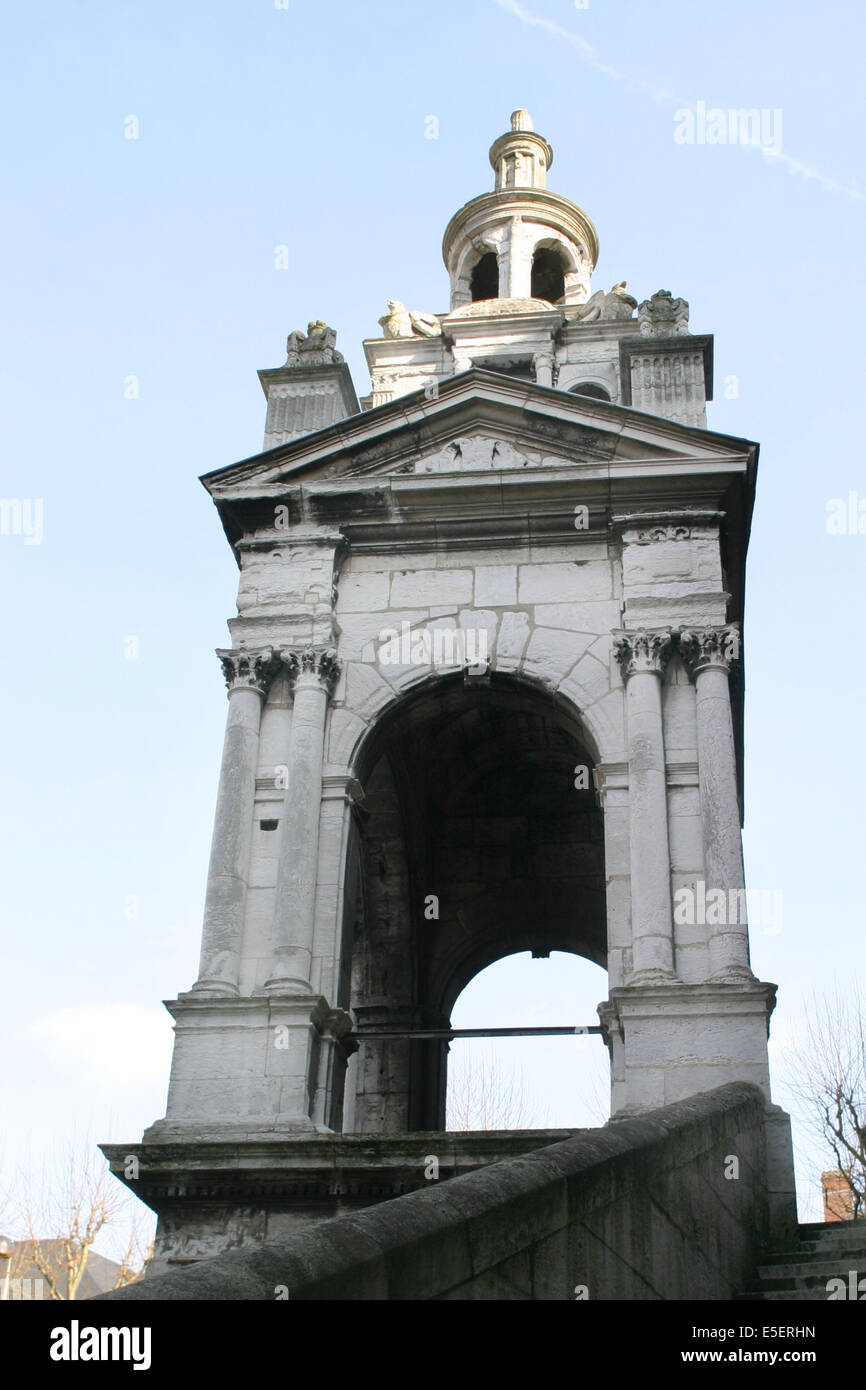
548, 275
590, 388
485, 278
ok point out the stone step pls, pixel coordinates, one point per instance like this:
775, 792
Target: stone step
806, 1251
813, 1250
825, 1251
783, 1296
829, 1267
839, 1232
821, 1227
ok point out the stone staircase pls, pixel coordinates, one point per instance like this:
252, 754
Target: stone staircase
801, 1274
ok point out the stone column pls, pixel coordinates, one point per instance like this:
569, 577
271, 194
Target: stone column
518, 275
642, 656
707, 653
314, 674
248, 675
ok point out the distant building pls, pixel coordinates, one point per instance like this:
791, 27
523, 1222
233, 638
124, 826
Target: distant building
27, 1281
838, 1196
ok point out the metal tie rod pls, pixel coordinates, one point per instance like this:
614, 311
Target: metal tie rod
449, 1033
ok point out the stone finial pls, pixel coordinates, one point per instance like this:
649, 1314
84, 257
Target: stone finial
400, 322
315, 348
662, 316
249, 670
520, 158
644, 649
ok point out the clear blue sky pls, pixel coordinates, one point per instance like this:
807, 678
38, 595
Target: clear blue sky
155, 258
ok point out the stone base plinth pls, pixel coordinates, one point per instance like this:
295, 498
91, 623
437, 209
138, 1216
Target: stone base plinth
216, 1195
269, 1062
671, 1041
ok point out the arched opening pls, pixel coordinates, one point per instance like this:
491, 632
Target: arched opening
592, 389
548, 275
479, 836
529, 1082
484, 283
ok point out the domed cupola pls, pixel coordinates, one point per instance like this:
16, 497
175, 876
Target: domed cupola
519, 243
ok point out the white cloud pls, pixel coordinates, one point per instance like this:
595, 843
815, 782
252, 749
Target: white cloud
112, 1042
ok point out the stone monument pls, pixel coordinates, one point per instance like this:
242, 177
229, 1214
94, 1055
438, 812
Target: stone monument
484, 696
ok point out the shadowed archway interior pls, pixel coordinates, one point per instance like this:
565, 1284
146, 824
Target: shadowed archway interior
479, 836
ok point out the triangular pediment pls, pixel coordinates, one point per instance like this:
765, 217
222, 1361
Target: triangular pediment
478, 422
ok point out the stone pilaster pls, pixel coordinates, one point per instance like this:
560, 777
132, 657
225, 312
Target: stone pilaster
248, 675
313, 674
643, 655
708, 653
544, 364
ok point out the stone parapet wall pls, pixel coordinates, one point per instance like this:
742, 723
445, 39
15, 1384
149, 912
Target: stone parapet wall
672, 1204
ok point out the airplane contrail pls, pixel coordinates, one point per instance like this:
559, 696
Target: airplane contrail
590, 55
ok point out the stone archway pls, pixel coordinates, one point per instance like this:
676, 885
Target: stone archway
480, 836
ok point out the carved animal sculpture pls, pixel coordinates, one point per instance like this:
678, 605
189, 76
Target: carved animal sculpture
612, 304
400, 322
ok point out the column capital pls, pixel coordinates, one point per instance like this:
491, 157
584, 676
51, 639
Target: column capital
248, 670
704, 647
643, 649
320, 666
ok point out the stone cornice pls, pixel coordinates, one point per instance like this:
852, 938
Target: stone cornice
525, 326
654, 525
422, 422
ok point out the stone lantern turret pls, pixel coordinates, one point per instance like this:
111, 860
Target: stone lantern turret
520, 242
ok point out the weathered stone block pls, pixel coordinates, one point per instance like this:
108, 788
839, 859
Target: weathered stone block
414, 588
557, 583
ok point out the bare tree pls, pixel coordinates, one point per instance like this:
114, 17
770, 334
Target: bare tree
74, 1203
483, 1095
829, 1078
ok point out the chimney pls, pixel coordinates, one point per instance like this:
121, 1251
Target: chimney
838, 1197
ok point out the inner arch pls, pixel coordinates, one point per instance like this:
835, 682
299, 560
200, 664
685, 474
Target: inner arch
480, 836
529, 1082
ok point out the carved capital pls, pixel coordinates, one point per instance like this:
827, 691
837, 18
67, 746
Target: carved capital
322, 666
249, 670
703, 647
644, 649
